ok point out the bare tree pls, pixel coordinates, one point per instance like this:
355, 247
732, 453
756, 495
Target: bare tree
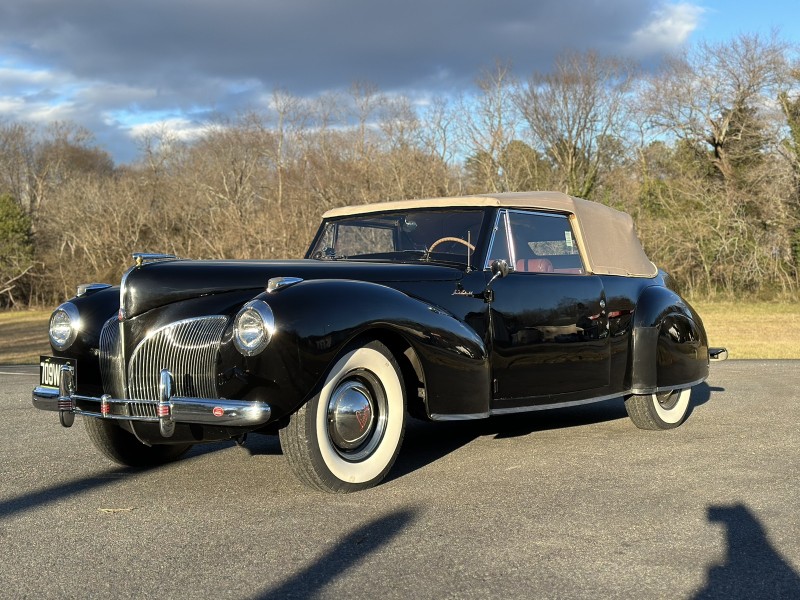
571, 110
17, 151
490, 122
716, 96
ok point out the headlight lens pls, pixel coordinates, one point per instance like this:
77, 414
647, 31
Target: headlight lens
253, 327
65, 323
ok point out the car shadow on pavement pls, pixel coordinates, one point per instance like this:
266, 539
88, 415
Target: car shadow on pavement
255, 444
424, 443
347, 553
752, 568
427, 442
701, 394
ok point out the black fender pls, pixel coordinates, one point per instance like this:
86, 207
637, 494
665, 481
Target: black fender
95, 309
317, 321
669, 347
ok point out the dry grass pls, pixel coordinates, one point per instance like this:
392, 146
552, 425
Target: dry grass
747, 330
753, 330
23, 336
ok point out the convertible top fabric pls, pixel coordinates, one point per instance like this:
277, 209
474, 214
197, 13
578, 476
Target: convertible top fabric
607, 237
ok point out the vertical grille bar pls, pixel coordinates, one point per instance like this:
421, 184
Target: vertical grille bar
112, 367
189, 349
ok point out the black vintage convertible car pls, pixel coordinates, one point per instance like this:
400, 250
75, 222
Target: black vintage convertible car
445, 309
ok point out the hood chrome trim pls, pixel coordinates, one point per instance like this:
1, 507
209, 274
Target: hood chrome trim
278, 283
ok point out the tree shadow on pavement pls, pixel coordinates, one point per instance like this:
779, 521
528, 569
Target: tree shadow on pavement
752, 568
346, 554
55, 493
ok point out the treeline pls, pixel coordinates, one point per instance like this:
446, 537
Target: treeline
704, 153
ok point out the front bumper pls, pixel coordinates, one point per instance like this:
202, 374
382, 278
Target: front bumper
166, 411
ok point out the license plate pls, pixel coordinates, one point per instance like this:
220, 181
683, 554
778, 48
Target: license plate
50, 369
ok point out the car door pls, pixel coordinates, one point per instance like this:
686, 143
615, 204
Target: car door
548, 322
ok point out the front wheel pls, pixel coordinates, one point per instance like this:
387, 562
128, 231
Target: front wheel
662, 410
123, 448
348, 436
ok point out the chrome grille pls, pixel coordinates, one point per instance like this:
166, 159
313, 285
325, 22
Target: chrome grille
141, 409
112, 367
189, 349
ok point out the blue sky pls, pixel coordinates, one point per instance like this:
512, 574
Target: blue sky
119, 68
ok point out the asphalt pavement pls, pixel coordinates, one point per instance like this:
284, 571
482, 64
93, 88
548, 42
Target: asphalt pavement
572, 503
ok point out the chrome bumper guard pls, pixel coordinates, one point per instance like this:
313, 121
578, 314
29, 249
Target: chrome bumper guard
166, 411
718, 353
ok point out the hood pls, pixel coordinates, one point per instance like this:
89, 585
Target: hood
156, 284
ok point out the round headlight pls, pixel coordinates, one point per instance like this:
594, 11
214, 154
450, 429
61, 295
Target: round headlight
253, 327
65, 323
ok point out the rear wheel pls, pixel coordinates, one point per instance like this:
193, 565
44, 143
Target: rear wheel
123, 448
662, 410
348, 436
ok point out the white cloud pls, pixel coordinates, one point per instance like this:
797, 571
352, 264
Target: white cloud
117, 67
669, 28
177, 128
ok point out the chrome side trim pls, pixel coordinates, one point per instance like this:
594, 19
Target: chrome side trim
636, 391
664, 388
520, 409
460, 417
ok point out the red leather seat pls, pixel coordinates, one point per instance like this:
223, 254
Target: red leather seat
534, 265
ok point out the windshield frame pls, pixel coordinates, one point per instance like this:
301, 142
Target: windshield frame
488, 217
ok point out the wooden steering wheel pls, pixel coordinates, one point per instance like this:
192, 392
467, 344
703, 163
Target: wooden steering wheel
450, 239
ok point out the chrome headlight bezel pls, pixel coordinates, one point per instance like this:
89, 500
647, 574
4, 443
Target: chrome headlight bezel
65, 324
253, 328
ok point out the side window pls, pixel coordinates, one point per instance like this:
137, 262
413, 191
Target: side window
499, 248
544, 243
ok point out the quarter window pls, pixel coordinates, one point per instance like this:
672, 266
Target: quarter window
543, 243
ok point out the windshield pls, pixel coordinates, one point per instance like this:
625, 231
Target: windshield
450, 235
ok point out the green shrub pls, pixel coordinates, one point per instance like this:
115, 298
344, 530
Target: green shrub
16, 251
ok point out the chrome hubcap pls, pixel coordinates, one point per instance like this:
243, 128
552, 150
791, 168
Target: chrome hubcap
669, 399
357, 412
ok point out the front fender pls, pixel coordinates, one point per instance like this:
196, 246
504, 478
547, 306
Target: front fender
669, 347
318, 320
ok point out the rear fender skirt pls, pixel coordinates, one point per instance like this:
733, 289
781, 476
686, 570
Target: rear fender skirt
669, 348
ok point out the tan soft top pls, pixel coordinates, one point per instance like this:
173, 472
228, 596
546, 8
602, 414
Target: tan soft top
607, 236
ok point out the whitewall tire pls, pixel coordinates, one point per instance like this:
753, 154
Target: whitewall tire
348, 436
663, 410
